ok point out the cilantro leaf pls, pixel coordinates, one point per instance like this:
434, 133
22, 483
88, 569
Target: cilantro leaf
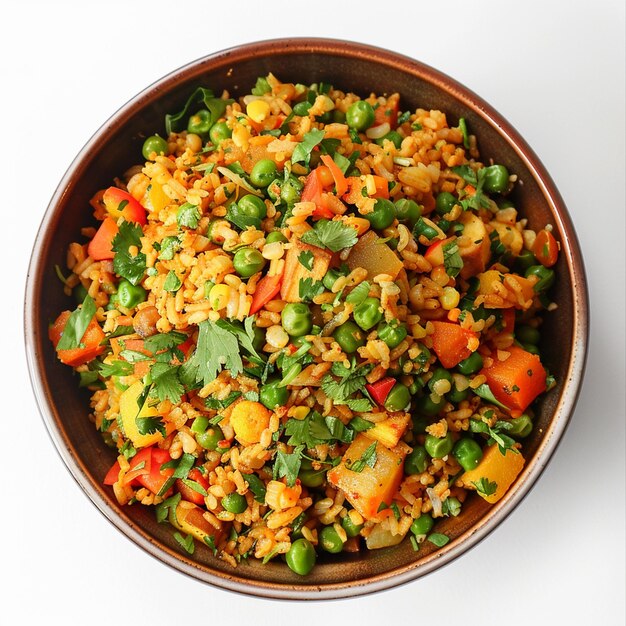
245, 335
166, 384
220, 405
452, 261
305, 258
185, 542
309, 288
216, 349
76, 324
130, 267
150, 425
164, 341
438, 539
188, 215
484, 391
256, 486
162, 509
302, 153
485, 487
116, 368
288, 465
331, 234
368, 458
169, 247
172, 282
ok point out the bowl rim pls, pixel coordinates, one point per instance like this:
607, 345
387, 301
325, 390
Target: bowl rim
562, 412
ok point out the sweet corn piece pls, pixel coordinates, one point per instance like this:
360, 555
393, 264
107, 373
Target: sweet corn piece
258, 110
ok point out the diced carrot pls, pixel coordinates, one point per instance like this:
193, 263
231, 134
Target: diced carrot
90, 346
516, 381
112, 474
120, 203
294, 271
101, 246
312, 192
546, 248
356, 184
451, 342
388, 112
190, 494
495, 467
341, 185
267, 289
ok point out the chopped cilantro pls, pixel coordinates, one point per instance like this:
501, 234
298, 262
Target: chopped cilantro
76, 324
333, 235
485, 393
115, 368
438, 539
485, 487
210, 541
130, 267
220, 405
261, 87
309, 288
185, 542
150, 425
165, 382
162, 509
172, 282
302, 153
288, 465
305, 258
452, 261
368, 458
188, 215
256, 486
169, 247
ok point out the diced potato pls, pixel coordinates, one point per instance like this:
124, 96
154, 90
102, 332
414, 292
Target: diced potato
381, 537
375, 256
368, 489
129, 412
509, 236
495, 467
188, 518
475, 255
249, 419
295, 271
389, 431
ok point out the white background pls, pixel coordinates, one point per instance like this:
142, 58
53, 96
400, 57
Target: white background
555, 70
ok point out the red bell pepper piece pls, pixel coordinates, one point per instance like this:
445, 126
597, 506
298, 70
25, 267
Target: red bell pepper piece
145, 470
546, 248
120, 203
267, 289
112, 474
312, 192
190, 494
380, 389
90, 346
100, 247
341, 184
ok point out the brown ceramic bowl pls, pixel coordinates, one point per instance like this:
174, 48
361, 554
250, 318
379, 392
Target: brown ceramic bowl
117, 144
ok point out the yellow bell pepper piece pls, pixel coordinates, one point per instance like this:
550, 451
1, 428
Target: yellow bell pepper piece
129, 412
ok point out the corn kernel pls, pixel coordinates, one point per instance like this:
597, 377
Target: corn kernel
258, 110
449, 298
298, 412
219, 296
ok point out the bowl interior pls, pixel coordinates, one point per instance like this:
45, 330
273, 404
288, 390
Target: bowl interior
117, 146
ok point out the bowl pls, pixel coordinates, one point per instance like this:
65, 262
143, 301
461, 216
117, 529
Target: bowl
115, 146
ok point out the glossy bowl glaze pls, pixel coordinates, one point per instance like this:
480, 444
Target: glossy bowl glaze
117, 145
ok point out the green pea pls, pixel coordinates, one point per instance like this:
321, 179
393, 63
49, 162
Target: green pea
234, 503
129, 295
329, 540
200, 122
383, 214
532, 348
545, 276
472, 364
399, 398
263, 173
324, 117
312, 478
271, 395
302, 108
426, 406
524, 260
368, 313
392, 334
296, 319
423, 229
248, 261
417, 461
444, 202
352, 529
468, 453
360, 115
339, 117
200, 424
438, 448
527, 334
440, 374
275, 235
210, 438
407, 211
80, 293
219, 131
422, 525
252, 206
496, 179
301, 557
393, 136
520, 426
455, 395
290, 191
154, 144
329, 278
349, 337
